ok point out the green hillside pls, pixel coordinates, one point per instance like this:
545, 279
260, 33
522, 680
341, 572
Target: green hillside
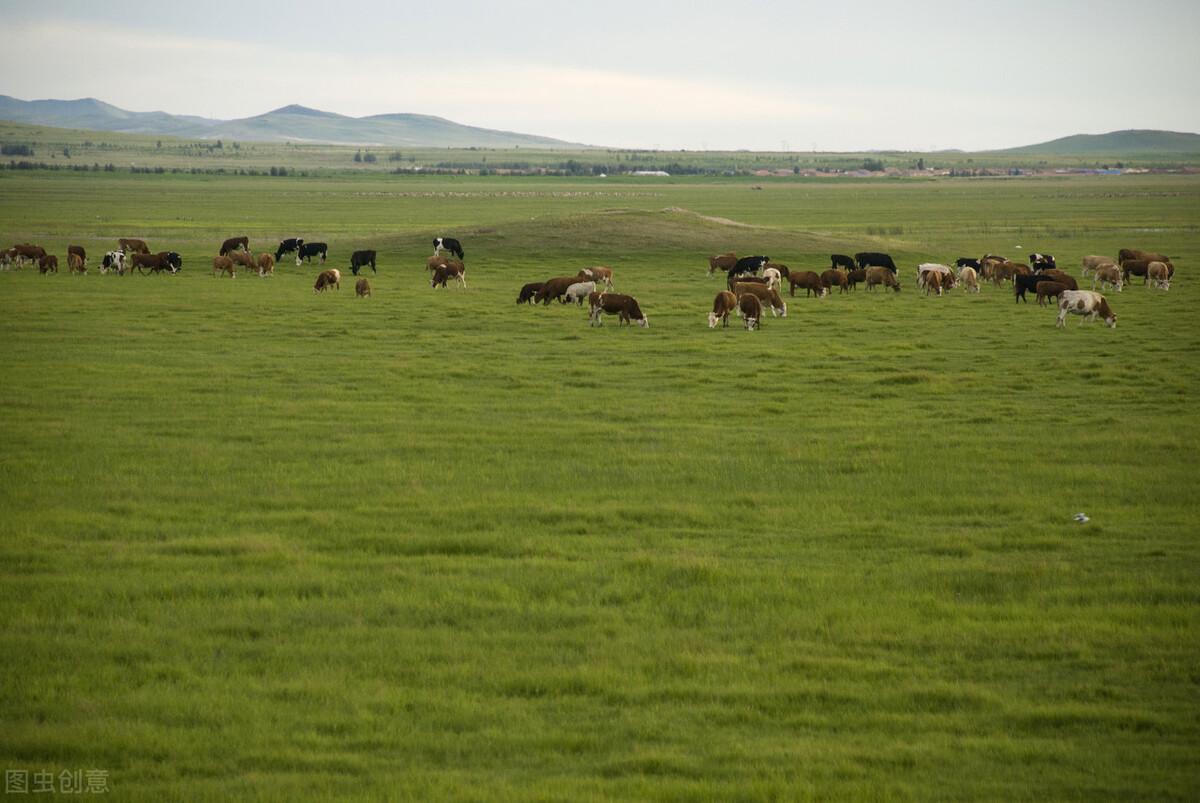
1133, 141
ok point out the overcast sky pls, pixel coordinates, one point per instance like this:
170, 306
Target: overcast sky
847, 75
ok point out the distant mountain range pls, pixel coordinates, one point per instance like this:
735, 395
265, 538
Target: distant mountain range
1133, 141
290, 123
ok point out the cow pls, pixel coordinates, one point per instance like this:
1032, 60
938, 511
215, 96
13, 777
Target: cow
48, 264
724, 303
435, 262
528, 292
113, 260
26, 252
970, 279
169, 261
807, 279
721, 262
1087, 303
854, 277
625, 307
927, 268
598, 273
223, 265
751, 310
733, 280
327, 278
75, 264
1049, 289
1041, 262
1023, 284
834, 277
306, 251
288, 246
1094, 261
841, 261
450, 244
1062, 277
773, 276
234, 243
874, 259
767, 295
243, 258
578, 292
750, 265
1158, 275
455, 270
360, 259
7, 258
966, 262
882, 275
1110, 275
1132, 253
1141, 267
130, 245
79, 251
987, 267
553, 289
266, 265
362, 288
932, 281
783, 270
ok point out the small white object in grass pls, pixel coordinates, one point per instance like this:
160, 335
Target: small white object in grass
1082, 518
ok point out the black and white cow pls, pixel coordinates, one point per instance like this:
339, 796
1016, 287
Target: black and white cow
113, 260
288, 246
450, 244
840, 261
360, 259
750, 265
1041, 262
306, 251
966, 262
874, 259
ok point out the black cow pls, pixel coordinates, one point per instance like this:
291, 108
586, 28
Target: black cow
360, 259
306, 251
1042, 262
1023, 282
528, 292
288, 246
966, 262
747, 265
840, 261
873, 259
450, 244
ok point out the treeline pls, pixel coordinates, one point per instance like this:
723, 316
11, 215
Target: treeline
96, 167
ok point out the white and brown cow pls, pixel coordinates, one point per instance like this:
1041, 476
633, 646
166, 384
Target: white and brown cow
1159, 275
578, 291
970, 279
625, 307
751, 309
455, 270
724, 303
598, 273
767, 295
1094, 261
1090, 304
1108, 274
328, 278
721, 262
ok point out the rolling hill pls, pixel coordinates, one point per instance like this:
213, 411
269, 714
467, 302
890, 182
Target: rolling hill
1115, 142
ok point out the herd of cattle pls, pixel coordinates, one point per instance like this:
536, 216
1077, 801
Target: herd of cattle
754, 282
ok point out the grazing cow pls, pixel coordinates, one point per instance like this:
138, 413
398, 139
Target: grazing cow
553, 289
243, 258
751, 309
223, 265
932, 281
721, 262
869, 259
266, 265
773, 276
168, 261
1132, 253
7, 257
234, 243
450, 244
435, 262
807, 279
528, 292
132, 246
926, 268
882, 275
854, 277
767, 295
1087, 303
78, 250
1049, 289
841, 261
1041, 262
75, 264
733, 280
834, 277
598, 273
1094, 261
362, 288
113, 260
1110, 275
970, 279
306, 251
625, 307
26, 252
749, 265
48, 264
578, 292
1062, 277
328, 278
1158, 275
360, 259
724, 303
784, 270
288, 246
966, 262
1022, 284
1141, 267
455, 270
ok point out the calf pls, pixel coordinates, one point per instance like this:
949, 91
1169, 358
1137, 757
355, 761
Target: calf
360, 259
807, 279
766, 295
1087, 303
773, 276
288, 246
48, 264
234, 243
841, 261
266, 265
75, 264
1049, 289
243, 258
79, 251
626, 307
528, 292
579, 291
306, 251
721, 262
884, 276
223, 265
328, 278
130, 245
747, 265
751, 310
1158, 275
443, 274
869, 259
834, 278
450, 244
362, 288
724, 303
1110, 275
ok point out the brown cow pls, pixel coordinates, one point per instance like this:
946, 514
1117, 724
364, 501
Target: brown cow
737, 278
834, 277
1132, 253
223, 265
807, 279
456, 271
362, 288
234, 243
26, 252
597, 273
1094, 261
435, 262
721, 262
168, 261
266, 265
625, 307
79, 250
882, 276
1110, 275
855, 276
554, 288
48, 263
1050, 289
1158, 275
132, 246
243, 258
327, 278
75, 263
751, 309
767, 295
723, 304
933, 281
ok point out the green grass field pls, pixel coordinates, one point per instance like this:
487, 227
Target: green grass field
260, 543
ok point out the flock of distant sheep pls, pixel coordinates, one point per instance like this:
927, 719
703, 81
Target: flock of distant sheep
754, 282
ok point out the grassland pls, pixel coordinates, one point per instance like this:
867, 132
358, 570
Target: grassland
265, 544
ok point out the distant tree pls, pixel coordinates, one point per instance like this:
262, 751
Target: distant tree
921, 163
158, 144
219, 145
67, 151
358, 156
368, 157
